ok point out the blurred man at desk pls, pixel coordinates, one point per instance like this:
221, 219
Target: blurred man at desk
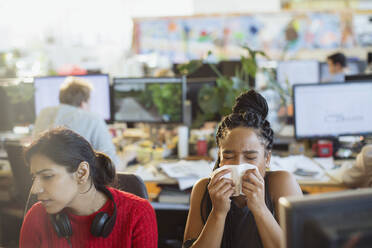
73, 113
359, 174
336, 68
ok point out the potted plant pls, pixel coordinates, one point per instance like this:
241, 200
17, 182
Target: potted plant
218, 101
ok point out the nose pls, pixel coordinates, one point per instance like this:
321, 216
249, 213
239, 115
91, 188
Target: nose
36, 187
239, 159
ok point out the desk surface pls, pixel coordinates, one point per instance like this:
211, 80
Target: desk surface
308, 185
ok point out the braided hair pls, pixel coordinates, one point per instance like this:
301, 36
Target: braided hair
250, 110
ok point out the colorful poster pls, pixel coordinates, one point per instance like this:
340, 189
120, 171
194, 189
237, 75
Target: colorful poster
185, 38
362, 25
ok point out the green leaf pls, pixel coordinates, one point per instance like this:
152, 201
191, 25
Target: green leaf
209, 100
190, 67
224, 82
229, 99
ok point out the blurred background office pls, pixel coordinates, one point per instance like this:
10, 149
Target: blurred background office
165, 72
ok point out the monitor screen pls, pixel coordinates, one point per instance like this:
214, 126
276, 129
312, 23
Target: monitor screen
332, 109
298, 72
159, 100
47, 93
194, 85
16, 101
353, 67
327, 220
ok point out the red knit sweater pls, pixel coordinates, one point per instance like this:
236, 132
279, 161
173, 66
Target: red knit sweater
135, 226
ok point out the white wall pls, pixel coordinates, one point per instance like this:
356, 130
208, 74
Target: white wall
91, 33
149, 8
235, 6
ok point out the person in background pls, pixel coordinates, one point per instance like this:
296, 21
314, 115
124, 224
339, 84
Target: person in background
359, 174
216, 219
336, 68
73, 113
76, 207
369, 64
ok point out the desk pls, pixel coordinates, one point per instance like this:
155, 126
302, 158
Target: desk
314, 187
308, 185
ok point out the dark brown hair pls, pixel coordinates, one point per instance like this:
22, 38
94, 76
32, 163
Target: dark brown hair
338, 58
67, 148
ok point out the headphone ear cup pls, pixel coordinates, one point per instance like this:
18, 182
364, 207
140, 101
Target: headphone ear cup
62, 225
98, 224
109, 225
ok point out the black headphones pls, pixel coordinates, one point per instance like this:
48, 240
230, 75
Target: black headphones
102, 224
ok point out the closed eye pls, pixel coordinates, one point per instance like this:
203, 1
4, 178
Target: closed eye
250, 158
228, 156
47, 177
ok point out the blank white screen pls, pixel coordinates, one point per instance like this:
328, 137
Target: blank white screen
298, 71
324, 110
47, 92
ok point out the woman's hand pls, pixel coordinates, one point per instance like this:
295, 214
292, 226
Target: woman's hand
220, 189
253, 187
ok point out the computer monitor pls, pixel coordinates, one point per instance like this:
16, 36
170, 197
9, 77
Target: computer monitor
16, 101
298, 72
327, 220
204, 70
153, 100
331, 110
353, 67
194, 85
47, 93
358, 78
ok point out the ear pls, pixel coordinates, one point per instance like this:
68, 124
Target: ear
82, 173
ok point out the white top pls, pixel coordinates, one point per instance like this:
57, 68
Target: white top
87, 124
334, 78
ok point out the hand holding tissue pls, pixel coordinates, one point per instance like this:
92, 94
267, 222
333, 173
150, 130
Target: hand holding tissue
236, 174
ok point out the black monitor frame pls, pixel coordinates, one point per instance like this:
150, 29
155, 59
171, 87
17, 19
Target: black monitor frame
358, 78
296, 214
150, 80
321, 136
110, 120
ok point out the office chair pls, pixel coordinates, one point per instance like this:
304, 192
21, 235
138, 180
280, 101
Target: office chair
21, 176
12, 211
131, 183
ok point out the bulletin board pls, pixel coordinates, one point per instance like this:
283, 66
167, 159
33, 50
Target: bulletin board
185, 38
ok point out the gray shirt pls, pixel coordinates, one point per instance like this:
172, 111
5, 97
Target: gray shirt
87, 124
334, 78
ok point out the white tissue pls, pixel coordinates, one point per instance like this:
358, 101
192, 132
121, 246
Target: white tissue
236, 174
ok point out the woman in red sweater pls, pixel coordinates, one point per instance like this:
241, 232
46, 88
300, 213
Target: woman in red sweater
76, 208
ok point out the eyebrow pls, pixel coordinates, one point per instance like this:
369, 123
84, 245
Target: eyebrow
41, 171
245, 152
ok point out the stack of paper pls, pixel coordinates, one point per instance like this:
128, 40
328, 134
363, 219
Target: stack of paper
304, 168
187, 173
